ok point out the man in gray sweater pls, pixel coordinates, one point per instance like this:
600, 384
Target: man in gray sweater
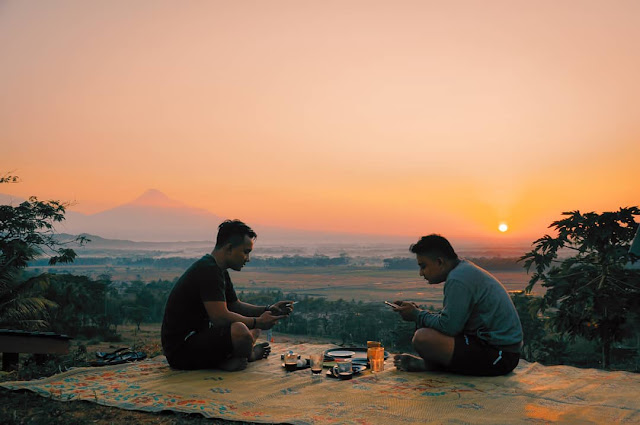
478, 331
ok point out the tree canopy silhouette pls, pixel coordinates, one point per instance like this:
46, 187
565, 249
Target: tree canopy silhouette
27, 231
590, 293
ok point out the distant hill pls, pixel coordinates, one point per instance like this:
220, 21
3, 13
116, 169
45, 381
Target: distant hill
102, 247
104, 243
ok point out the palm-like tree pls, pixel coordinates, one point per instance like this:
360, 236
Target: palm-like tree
22, 305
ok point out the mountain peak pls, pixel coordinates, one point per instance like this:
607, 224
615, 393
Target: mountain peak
155, 198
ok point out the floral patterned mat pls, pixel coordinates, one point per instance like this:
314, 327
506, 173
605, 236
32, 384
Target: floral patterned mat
266, 393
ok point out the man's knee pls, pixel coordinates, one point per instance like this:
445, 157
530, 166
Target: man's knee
430, 339
240, 333
433, 345
425, 336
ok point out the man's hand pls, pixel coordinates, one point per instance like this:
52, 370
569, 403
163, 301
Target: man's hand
267, 320
408, 310
282, 308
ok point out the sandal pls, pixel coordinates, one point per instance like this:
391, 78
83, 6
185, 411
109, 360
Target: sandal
112, 354
123, 357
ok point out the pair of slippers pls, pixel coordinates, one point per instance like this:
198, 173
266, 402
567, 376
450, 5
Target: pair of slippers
119, 356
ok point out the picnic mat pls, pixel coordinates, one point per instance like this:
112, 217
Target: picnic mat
266, 393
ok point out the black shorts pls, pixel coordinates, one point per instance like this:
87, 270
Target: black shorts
203, 350
473, 356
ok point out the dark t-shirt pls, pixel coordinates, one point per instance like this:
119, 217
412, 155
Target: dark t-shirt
185, 311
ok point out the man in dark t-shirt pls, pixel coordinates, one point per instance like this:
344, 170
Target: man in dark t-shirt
205, 325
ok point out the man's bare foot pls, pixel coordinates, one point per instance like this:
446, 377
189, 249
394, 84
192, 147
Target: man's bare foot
233, 364
260, 351
409, 363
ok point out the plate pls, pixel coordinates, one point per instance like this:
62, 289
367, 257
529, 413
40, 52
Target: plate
357, 354
355, 367
340, 353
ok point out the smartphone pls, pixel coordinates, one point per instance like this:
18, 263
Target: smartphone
392, 305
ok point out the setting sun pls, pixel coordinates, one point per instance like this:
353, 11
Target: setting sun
503, 227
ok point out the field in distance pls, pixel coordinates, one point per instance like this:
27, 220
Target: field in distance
360, 283
367, 284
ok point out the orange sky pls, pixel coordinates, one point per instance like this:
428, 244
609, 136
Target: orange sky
361, 116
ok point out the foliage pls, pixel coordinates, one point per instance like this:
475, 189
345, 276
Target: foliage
589, 292
22, 305
532, 325
351, 322
95, 308
27, 231
80, 300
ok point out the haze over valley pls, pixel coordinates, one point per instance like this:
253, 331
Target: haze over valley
159, 226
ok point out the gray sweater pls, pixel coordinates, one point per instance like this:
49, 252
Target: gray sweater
475, 303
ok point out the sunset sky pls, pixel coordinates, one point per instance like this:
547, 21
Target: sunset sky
394, 117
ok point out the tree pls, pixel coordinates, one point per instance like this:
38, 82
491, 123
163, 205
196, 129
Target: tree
80, 300
27, 231
589, 291
136, 313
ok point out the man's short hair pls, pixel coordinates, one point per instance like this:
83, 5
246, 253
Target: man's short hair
434, 246
233, 231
